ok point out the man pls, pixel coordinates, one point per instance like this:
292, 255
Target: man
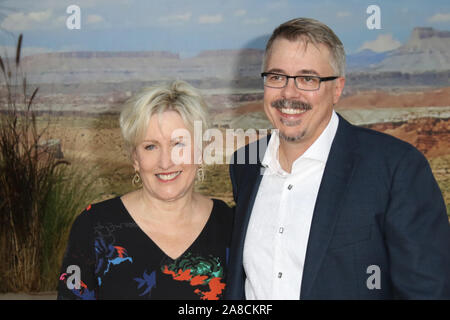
331, 211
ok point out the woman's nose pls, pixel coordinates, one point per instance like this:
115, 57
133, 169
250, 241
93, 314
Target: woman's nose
165, 160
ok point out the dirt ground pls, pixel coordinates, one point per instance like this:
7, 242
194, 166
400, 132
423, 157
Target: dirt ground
373, 99
27, 296
97, 142
381, 99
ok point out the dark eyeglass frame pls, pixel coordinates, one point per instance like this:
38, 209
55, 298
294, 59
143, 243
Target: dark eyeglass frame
321, 79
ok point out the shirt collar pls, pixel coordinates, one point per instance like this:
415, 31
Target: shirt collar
270, 160
318, 151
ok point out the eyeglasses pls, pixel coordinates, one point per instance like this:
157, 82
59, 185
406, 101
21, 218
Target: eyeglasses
307, 83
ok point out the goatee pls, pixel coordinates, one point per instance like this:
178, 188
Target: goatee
291, 104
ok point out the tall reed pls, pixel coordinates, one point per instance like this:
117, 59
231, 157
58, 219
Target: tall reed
39, 193
70, 192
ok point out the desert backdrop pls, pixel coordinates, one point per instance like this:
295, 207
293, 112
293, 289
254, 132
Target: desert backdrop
404, 92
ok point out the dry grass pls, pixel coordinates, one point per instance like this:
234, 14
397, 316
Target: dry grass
39, 193
441, 171
25, 171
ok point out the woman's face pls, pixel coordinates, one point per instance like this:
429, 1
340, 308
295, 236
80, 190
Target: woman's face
165, 158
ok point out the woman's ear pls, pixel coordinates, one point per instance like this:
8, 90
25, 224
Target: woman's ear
134, 160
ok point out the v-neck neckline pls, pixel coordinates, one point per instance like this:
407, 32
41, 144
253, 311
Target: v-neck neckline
152, 242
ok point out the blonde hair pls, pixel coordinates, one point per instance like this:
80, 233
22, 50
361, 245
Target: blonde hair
314, 31
176, 96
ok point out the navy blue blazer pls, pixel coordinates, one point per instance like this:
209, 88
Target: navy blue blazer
378, 205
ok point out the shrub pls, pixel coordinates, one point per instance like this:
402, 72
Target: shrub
40, 194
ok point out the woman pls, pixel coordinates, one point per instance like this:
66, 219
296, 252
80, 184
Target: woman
162, 241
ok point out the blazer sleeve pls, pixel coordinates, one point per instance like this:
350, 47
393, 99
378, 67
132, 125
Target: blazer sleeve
417, 232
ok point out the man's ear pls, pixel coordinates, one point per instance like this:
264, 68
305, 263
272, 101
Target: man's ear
338, 89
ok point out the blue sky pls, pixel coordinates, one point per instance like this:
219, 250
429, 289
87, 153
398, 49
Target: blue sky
190, 26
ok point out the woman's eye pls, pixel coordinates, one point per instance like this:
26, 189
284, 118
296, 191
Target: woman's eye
180, 144
150, 147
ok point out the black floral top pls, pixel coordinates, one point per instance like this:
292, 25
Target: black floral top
109, 257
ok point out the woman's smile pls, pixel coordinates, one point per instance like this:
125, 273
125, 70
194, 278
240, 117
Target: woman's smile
168, 176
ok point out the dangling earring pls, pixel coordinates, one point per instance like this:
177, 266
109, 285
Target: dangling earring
136, 179
200, 174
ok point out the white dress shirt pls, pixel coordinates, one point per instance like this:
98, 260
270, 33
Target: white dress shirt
278, 230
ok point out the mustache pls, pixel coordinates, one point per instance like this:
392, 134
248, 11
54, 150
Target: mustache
292, 104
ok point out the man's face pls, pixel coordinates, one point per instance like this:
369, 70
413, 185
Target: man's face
304, 120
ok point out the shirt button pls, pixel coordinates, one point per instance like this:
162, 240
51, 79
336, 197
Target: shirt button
281, 230
280, 274
290, 187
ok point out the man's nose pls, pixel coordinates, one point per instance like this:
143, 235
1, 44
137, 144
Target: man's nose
290, 90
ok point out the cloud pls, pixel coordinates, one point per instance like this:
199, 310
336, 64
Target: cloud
343, 14
96, 3
440, 17
255, 21
40, 16
60, 21
94, 18
26, 21
280, 4
210, 19
176, 18
240, 13
383, 43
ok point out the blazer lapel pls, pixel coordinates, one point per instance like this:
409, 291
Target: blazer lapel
248, 190
246, 204
337, 175
248, 194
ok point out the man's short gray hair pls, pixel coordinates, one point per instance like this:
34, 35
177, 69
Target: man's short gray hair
314, 31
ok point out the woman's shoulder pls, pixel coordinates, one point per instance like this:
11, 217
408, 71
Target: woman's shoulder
105, 205
100, 211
